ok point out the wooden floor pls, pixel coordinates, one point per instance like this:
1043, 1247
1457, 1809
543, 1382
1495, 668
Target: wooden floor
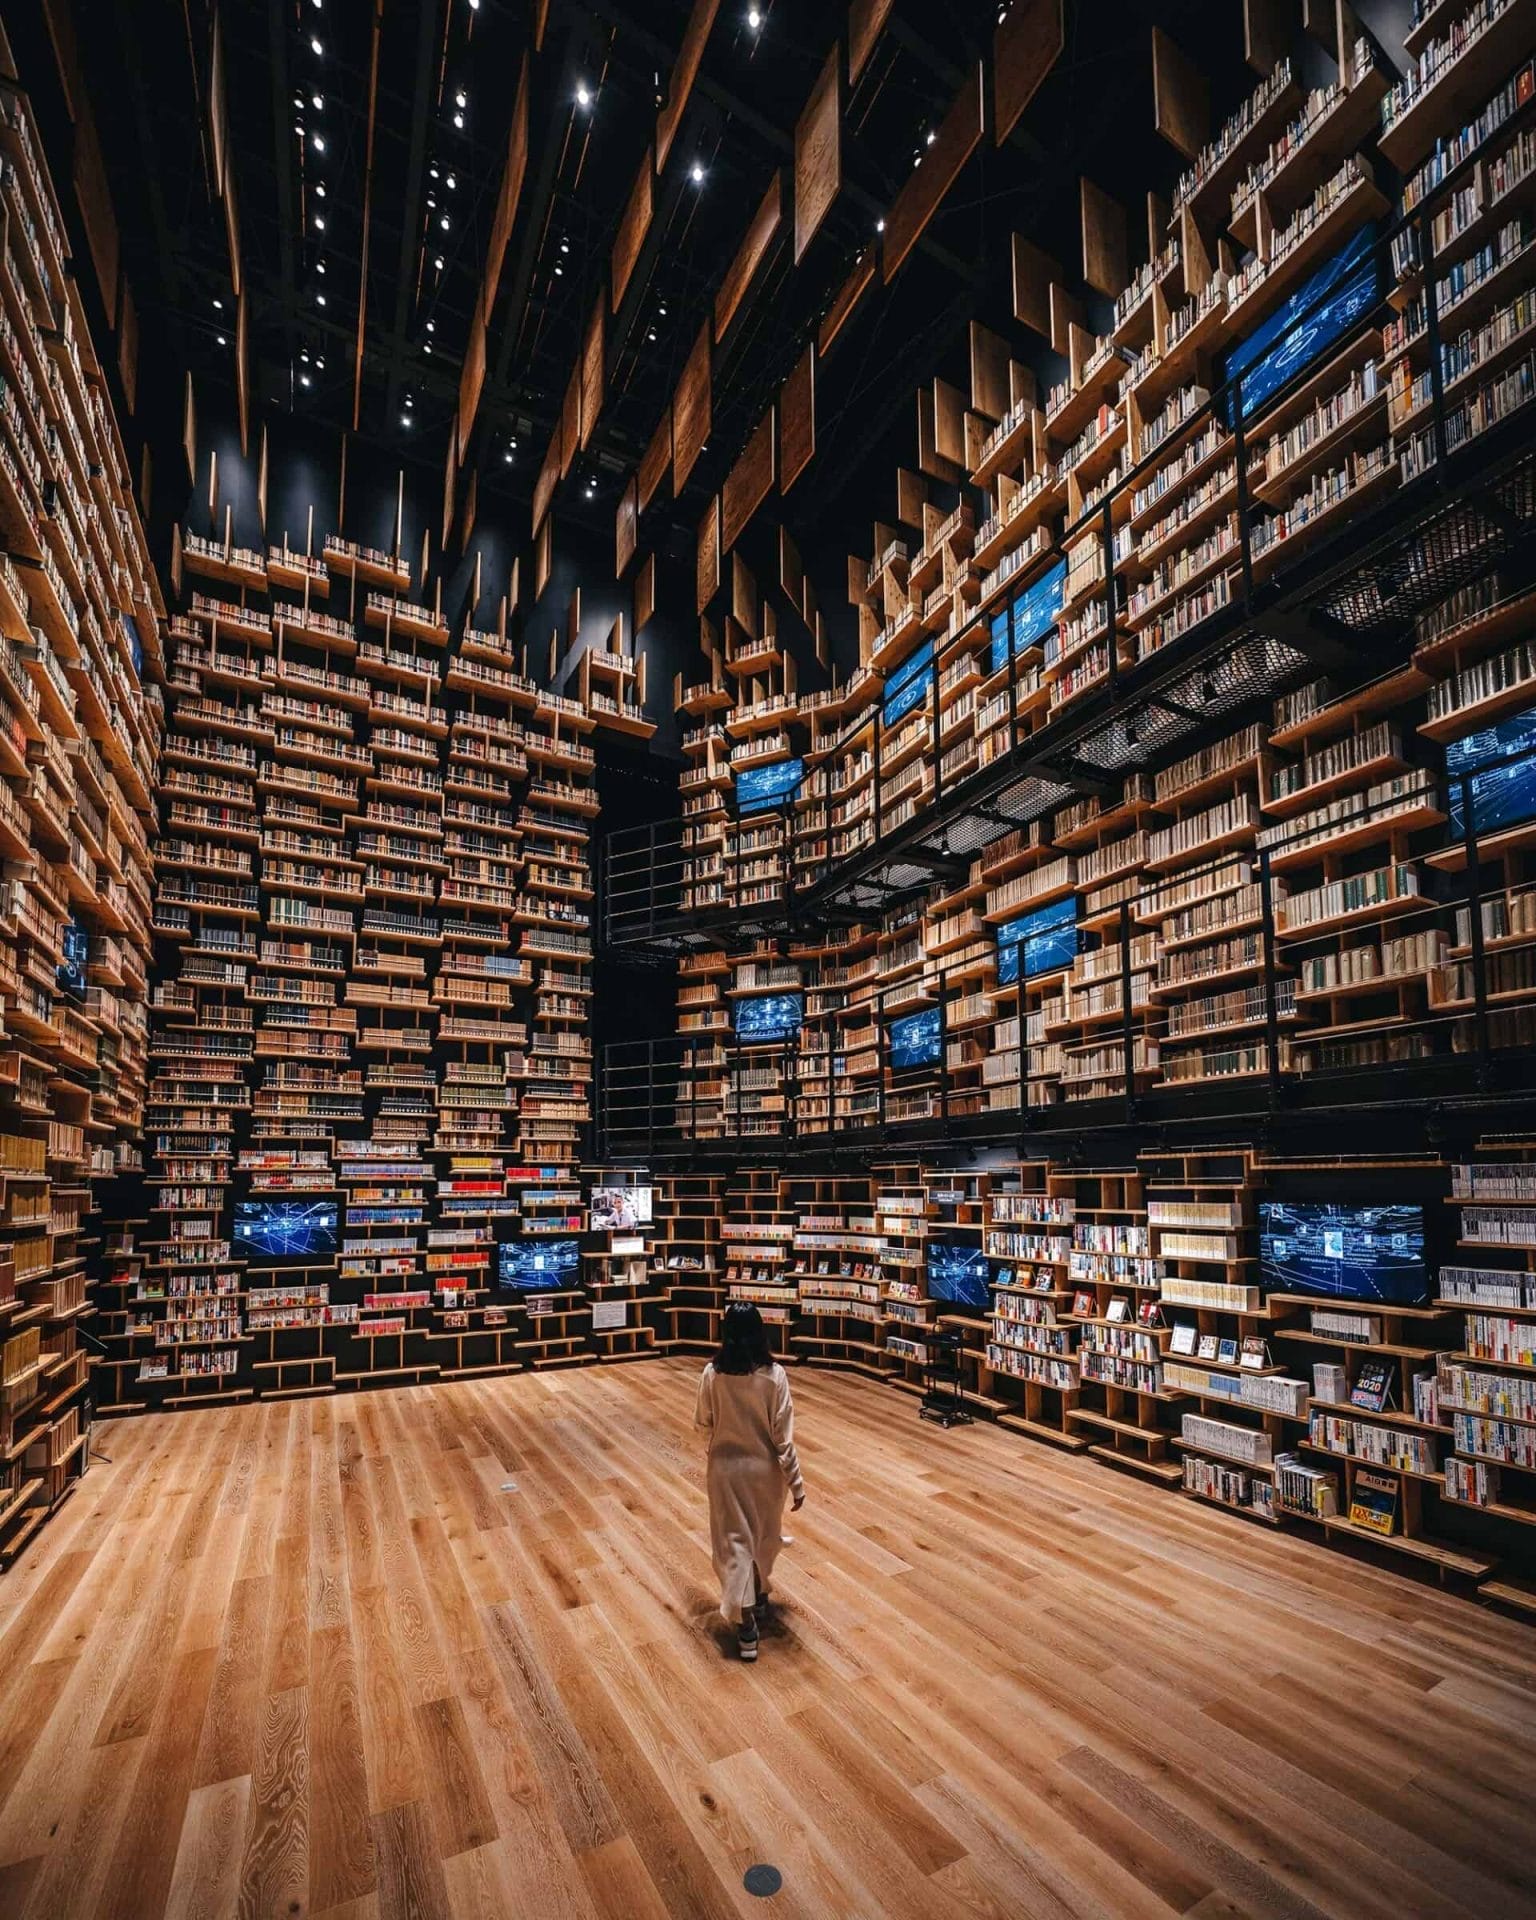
318, 1658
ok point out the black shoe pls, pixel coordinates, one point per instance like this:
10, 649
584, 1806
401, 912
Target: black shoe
746, 1638
760, 1607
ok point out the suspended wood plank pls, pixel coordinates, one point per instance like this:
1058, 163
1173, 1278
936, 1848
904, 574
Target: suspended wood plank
656, 460
592, 374
707, 558
1181, 100
1267, 28
791, 571
634, 225
691, 411
471, 381
936, 465
512, 175
866, 22
570, 422
845, 300
1106, 265
750, 255
471, 508
450, 474
543, 558
1033, 272
797, 420
949, 423
910, 496
958, 136
625, 527
989, 372
684, 71
818, 154
549, 473
645, 592
243, 368
749, 482
1026, 45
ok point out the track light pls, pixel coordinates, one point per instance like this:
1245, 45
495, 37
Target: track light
458, 120
583, 94
316, 49
754, 19
696, 174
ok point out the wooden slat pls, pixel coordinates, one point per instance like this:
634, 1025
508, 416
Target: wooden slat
684, 71
958, 136
1106, 265
625, 524
691, 411
818, 153
750, 255
707, 555
634, 224
866, 22
570, 422
1181, 103
749, 482
645, 592
845, 300
1027, 43
592, 373
797, 420
513, 173
656, 461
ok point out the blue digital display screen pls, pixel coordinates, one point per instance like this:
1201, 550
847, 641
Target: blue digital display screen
135, 644
1040, 942
525, 1266
958, 1272
1030, 616
75, 959
1501, 796
286, 1229
773, 1017
908, 686
1286, 342
760, 788
1347, 1253
915, 1041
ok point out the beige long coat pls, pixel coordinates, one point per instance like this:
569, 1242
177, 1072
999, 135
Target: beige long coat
750, 1420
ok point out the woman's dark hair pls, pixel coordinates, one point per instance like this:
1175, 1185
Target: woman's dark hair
743, 1341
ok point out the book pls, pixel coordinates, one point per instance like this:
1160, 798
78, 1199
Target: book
1208, 1345
1255, 1352
1373, 1501
1226, 1352
1373, 1385
1184, 1336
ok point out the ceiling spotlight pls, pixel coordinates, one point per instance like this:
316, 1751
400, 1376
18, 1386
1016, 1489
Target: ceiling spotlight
652, 334
319, 189
661, 309
319, 299
426, 346
431, 326
319, 266
512, 442
696, 174
754, 19
318, 101
880, 225
222, 341
437, 261
583, 94
452, 183
432, 171
443, 223
318, 143
458, 120
559, 270
474, 6
460, 99
304, 354
320, 366
405, 419
506, 455
303, 379
316, 48
319, 223
565, 246
929, 137
218, 303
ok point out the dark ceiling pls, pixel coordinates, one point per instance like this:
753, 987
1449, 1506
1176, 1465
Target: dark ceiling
299, 126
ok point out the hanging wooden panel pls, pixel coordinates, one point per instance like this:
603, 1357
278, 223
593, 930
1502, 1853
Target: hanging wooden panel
818, 154
1181, 106
707, 560
512, 176
471, 381
691, 411
866, 22
847, 298
684, 70
625, 527
656, 460
958, 137
750, 256
645, 592
749, 482
544, 558
570, 422
797, 420
592, 374
544, 486
1026, 45
634, 225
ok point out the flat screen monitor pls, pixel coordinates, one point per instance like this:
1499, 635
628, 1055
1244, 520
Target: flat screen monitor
1502, 795
535, 1266
908, 685
286, 1229
1044, 941
958, 1272
1298, 332
770, 1019
619, 1209
1031, 615
76, 958
915, 1041
1370, 1253
761, 789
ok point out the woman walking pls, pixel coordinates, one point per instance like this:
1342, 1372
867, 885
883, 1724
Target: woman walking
745, 1408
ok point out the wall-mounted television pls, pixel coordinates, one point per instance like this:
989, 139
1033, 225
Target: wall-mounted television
958, 1272
286, 1229
534, 1265
761, 789
75, 958
1029, 616
1502, 796
1044, 941
619, 1209
908, 686
1369, 1253
769, 1019
1298, 332
915, 1041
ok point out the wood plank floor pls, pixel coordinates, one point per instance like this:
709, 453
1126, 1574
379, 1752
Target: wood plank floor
319, 1658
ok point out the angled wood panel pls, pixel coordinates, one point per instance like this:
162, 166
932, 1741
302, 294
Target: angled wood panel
691, 411
570, 422
645, 592
511, 192
847, 298
549, 473
749, 482
818, 154
750, 255
592, 374
1026, 45
1106, 264
866, 22
1181, 108
1033, 273
656, 460
471, 381
707, 558
634, 225
958, 137
625, 527
797, 420
684, 71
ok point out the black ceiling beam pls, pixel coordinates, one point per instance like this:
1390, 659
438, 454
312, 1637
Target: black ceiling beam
410, 228
282, 157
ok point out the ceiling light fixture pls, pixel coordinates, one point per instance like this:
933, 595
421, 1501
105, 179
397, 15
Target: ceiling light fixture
460, 99
319, 266
696, 174
320, 366
452, 183
405, 419
222, 341
319, 189
218, 303
880, 225
318, 143
437, 261
319, 223
458, 120
431, 326
319, 299
316, 49
929, 137
319, 102
754, 19
507, 455
303, 379
443, 223
583, 94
